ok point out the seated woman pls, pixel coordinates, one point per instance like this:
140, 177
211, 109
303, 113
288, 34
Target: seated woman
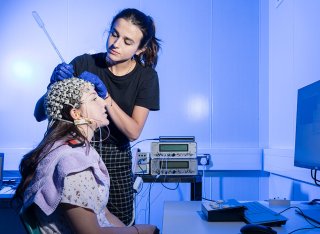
64, 181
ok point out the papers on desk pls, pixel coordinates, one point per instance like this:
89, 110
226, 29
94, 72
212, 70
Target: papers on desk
7, 190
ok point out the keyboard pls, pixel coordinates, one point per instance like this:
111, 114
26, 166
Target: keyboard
257, 213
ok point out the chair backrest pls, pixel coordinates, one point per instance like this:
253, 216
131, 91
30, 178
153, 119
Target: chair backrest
29, 221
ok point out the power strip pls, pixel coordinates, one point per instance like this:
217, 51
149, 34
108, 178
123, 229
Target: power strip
143, 157
279, 202
143, 161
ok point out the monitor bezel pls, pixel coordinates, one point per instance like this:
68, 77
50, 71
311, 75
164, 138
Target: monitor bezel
310, 91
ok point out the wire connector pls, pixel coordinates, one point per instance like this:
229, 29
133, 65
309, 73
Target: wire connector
137, 185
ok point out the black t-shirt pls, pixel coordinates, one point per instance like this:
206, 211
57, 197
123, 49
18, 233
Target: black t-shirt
139, 87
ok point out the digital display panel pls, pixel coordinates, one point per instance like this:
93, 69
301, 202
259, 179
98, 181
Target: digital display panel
1, 168
173, 148
174, 164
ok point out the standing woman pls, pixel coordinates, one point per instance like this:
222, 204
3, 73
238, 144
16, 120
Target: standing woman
127, 70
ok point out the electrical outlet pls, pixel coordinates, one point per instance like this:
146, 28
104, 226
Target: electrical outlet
203, 159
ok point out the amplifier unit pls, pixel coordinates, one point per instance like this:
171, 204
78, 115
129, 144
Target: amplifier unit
176, 138
174, 166
173, 150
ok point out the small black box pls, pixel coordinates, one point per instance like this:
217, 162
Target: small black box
230, 210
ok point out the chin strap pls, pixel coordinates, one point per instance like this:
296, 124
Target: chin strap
83, 121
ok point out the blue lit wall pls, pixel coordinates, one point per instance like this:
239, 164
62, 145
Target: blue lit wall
229, 72
294, 55
208, 66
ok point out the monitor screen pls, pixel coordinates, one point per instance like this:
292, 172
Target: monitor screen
307, 143
1, 168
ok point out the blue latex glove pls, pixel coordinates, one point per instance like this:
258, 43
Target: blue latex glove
100, 88
61, 72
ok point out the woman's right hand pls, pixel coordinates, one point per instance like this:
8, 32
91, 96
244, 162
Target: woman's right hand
61, 72
99, 86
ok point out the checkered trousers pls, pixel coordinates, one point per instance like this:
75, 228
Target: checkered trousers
118, 162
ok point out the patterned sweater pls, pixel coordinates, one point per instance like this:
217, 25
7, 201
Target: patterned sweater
46, 187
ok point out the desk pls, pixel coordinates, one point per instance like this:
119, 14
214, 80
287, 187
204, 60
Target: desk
195, 180
9, 219
10, 181
186, 217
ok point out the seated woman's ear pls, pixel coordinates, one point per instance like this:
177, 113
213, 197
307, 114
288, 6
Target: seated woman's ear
75, 114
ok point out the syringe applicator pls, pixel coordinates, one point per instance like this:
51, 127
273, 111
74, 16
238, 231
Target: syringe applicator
41, 25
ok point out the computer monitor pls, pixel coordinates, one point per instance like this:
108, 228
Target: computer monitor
307, 143
1, 168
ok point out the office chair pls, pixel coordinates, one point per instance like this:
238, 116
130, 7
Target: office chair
29, 221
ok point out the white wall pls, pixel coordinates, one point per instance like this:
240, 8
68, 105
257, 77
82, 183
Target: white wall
208, 70
229, 73
229, 70
294, 53
208, 67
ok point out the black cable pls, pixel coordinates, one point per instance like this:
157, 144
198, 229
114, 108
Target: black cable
314, 176
289, 209
170, 188
313, 171
304, 216
149, 139
140, 189
314, 202
303, 229
139, 165
208, 199
149, 197
149, 203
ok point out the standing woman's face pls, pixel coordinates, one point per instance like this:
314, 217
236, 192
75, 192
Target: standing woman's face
123, 41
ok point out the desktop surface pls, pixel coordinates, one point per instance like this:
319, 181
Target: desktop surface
186, 217
9, 219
